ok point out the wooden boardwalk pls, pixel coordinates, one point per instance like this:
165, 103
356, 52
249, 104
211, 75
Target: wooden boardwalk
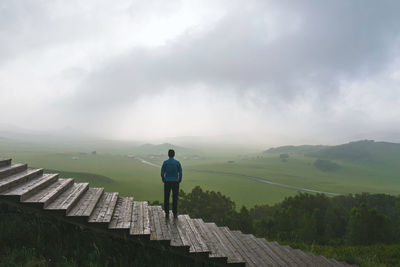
93, 208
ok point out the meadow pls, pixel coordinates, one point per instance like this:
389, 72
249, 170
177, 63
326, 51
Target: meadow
118, 166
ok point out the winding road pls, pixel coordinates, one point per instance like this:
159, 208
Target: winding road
254, 178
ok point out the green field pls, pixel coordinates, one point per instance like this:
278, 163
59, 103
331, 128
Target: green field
227, 172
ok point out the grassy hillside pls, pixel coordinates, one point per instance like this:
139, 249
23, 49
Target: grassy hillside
234, 175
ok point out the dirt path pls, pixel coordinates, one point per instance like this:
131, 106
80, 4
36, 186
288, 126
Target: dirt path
254, 178
263, 180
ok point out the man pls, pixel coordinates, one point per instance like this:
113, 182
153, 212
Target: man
171, 174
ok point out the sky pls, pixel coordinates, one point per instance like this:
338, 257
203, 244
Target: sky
257, 72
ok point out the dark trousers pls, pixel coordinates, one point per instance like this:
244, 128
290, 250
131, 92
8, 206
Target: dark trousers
168, 186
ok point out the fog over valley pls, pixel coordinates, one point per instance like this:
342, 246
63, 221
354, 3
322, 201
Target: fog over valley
255, 73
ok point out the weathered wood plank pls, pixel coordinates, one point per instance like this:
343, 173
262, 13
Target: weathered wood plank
69, 198
215, 250
293, 254
195, 238
46, 195
163, 222
308, 258
250, 241
104, 208
146, 219
319, 261
13, 169
182, 232
86, 204
288, 258
118, 209
326, 262
185, 232
111, 207
31, 187
19, 178
126, 220
140, 219
155, 227
176, 239
268, 251
249, 257
135, 227
336, 262
271, 252
4, 162
232, 254
199, 238
122, 216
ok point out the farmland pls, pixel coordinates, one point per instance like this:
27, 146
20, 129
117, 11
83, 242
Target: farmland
119, 166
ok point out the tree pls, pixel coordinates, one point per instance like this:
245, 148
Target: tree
366, 226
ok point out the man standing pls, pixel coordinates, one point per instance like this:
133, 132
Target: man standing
171, 174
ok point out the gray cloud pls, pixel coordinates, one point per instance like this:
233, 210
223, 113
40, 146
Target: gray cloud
330, 42
307, 67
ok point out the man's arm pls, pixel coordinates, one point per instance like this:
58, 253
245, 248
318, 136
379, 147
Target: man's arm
163, 172
179, 172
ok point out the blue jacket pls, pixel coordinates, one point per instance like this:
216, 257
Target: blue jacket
171, 171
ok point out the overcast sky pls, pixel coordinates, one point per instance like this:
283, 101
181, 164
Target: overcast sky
265, 72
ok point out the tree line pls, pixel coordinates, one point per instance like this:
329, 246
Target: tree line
360, 219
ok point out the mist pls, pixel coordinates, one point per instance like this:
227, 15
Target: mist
254, 73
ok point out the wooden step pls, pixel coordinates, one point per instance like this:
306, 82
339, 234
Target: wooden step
178, 239
122, 216
309, 261
251, 242
316, 261
31, 187
156, 230
232, 254
197, 244
87, 203
320, 261
104, 209
12, 169
19, 178
293, 254
216, 251
250, 258
140, 219
165, 231
5, 162
337, 263
268, 251
278, 252
67, 200
47, 194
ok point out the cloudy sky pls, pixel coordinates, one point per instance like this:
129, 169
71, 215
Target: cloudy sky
267, 72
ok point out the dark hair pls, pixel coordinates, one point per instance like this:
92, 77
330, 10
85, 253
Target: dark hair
171, 153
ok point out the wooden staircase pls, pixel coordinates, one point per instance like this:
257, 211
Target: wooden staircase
80, 204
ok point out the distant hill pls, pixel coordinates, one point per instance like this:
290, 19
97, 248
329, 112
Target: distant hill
162, 149
364, 150
304, 149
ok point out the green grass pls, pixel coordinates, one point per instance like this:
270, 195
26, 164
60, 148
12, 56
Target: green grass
363, 256
110, 168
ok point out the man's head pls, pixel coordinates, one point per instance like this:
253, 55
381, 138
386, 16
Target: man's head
171, 153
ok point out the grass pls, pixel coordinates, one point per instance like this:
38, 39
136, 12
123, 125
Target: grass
111, 169
363, 256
